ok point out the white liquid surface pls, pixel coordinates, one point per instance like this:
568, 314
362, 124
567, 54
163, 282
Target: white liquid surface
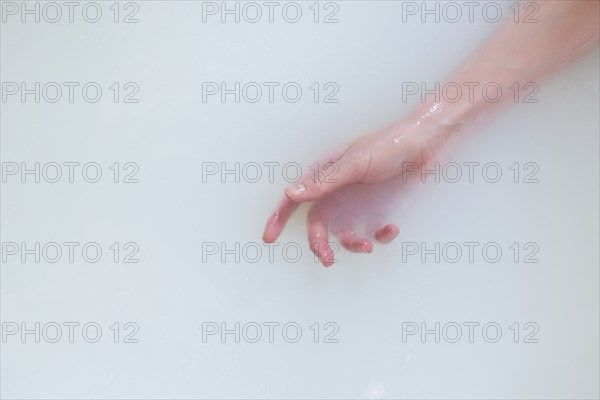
171, 212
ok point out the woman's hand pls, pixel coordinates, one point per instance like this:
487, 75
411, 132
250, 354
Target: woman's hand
359, 185
361, 182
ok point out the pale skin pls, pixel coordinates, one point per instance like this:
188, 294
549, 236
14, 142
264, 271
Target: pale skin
369, 170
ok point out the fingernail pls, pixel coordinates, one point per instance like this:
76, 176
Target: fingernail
365, 248
295, 190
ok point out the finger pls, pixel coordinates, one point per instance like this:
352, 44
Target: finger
318, 220
387, 233
377, 228
343, 229
278, 219
318, 239
333, 177
355, 243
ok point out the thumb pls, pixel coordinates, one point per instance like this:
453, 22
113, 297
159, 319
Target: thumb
333, 176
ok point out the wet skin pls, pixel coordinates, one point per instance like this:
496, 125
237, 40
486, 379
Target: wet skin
361, 182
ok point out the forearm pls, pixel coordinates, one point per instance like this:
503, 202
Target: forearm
518, 54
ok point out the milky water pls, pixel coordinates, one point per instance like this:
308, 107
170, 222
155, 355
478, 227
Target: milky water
497, 261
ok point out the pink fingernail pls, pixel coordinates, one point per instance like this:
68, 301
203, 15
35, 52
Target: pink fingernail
295, 190
365, 248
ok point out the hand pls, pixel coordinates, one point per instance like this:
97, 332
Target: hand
359, 184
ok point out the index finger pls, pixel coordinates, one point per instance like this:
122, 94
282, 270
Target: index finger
278, 219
